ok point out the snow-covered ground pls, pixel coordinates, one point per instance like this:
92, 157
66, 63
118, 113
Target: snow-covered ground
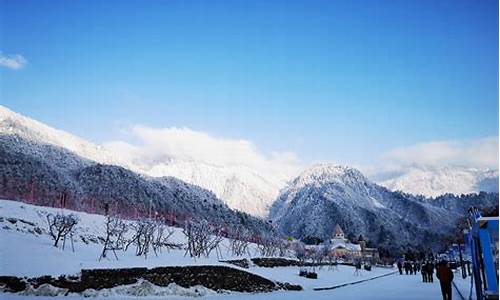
24, 252
466, 286
393, 287
327, 276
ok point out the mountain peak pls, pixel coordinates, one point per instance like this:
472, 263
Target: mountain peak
329, 173
14, 124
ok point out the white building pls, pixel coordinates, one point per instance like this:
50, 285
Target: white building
341, 246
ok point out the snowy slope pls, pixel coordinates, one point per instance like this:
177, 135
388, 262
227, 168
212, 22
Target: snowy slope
240, 187
41, 173
435, 181
27, 253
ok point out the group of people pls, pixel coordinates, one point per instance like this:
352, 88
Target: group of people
428, 271
443, 273
409, 267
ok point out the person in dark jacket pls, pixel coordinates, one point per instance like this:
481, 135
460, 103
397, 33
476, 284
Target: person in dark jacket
415, 268
430, 271
400, 268
445, 276
423, 271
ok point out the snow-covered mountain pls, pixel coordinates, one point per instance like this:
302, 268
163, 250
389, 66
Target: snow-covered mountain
435, 181
240, 187
45, 174
325, 195
14, 124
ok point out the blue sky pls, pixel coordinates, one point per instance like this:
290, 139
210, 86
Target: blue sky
342, 81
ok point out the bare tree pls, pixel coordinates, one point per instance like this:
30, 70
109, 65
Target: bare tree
267, 246
115, 238
62, 226
300, 251
282, 247
161, 237
202, 239
239, 242
320, 254
143, 235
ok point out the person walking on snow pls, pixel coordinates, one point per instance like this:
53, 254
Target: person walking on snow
400, 267
430, 271
445, 276
423, 271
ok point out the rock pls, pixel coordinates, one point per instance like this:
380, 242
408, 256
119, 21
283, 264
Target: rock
108, 278
38, 230
243, 263
290, 287
12, 284
26, 222
215, 278
12, 220
274, 262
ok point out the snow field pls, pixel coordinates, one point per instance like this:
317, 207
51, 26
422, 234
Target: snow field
30, 254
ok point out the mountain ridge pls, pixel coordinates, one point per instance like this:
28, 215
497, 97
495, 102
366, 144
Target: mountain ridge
343, 195
44, 174
240, 187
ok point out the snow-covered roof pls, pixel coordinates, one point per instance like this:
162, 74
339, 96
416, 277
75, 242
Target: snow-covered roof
342, 244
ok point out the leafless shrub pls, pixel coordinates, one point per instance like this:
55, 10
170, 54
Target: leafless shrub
202, 239
267, 247
239, 242
142, 238
299, 251
319, 255
60, 227
161, 238
115, 239
282, 247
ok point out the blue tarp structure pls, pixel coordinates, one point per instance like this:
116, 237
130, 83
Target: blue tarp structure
482, 238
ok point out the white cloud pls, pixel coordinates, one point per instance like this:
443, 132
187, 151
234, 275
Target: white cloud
419, 168
160, 145
15, 61
478, 153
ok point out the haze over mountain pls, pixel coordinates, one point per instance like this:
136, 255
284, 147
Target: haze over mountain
432, 181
